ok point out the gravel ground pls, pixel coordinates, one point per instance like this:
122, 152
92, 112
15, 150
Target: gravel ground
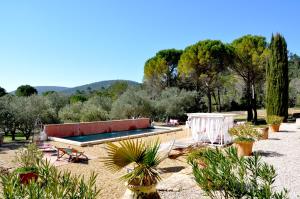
282, 150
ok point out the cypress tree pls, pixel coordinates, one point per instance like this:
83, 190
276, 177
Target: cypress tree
277, 78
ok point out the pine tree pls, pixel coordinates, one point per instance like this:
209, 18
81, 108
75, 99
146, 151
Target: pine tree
277, 78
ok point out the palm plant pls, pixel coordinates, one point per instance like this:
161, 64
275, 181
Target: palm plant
144, 159
143, 156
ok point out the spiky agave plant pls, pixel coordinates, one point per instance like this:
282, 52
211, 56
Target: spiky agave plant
144, 158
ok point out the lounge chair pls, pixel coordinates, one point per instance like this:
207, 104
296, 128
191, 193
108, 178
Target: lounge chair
166, 148
172, 122
73, 154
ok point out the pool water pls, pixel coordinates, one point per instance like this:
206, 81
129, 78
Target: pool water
101, 136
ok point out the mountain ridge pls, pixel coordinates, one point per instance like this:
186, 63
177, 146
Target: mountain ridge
94, 86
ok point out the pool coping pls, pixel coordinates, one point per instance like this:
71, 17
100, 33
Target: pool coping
94, 142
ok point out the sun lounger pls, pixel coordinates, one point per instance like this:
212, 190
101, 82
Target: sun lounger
166, 148
73, 154
173, 122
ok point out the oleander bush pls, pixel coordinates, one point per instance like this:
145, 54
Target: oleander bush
226, 175
51, 183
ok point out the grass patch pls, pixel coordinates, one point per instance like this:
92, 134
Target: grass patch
19, 138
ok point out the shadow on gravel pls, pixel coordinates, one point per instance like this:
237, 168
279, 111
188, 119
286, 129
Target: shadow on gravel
171, 169
11, 146
287, 132
268, 153
274, 139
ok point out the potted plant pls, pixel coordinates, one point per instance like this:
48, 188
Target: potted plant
142, 158
244, 137
27, 174
28, 159
263, 130
274, 121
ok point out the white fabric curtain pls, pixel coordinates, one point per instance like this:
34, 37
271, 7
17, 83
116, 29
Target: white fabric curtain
211, 127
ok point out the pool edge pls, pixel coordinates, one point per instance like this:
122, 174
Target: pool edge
94, 142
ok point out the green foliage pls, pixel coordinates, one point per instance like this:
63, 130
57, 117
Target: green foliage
56, 102
117, 89
25, 91
277, 78
204, 62
77, 98
160, 71
71, 112
95, 109
174, 103
48, 93
294, 66
274, 119
226, 175
2, 91
130, 104
91, 112
244, 133
51, 183
28, 157
144, 157
8, 115
251, 54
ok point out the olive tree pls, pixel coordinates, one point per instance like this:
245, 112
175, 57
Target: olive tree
71, 112
132, 103
174, 103
8, 115
32, 110
95, 109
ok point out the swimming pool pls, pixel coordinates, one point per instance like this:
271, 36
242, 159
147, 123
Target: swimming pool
99, 138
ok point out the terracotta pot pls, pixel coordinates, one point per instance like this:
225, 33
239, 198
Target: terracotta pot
274, 128
264, 131
26, 177
244, 148
141, 192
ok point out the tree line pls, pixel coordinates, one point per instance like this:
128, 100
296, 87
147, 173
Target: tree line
227, 76
204, 77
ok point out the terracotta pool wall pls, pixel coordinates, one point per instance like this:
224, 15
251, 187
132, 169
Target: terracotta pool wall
88, 128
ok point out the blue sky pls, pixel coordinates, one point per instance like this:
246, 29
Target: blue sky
74, 42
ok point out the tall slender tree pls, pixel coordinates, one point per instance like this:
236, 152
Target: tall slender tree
250, 60
277, 78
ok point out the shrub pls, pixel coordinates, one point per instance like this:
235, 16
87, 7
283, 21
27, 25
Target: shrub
90, 112
274, 119
174, 103
130, 104
28, 157
71, 112
244, 133
226, 175
51, 183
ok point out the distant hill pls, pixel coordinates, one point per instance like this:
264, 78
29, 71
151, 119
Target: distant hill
97, 85
92, 86
42, 89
